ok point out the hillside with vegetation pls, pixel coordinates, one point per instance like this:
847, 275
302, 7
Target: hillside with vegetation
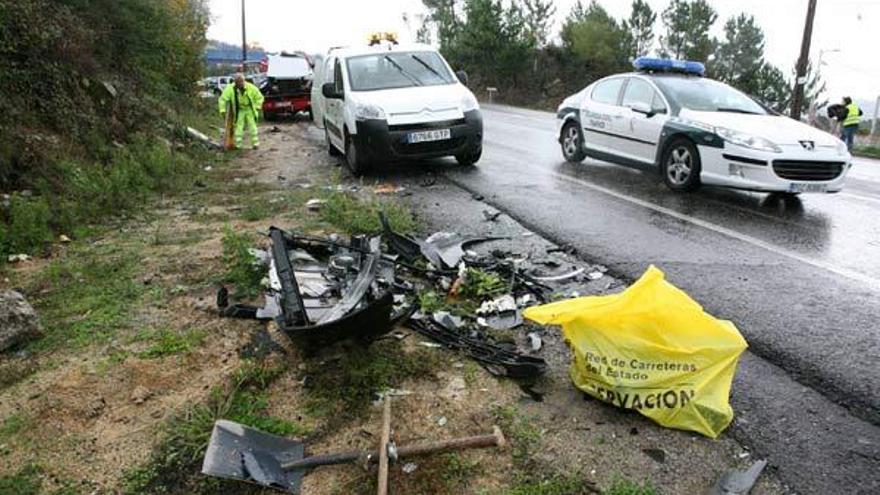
95, 92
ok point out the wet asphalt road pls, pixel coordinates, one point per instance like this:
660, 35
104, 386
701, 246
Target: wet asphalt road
800, 278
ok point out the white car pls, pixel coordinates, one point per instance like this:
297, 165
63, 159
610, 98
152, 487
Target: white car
697, 131
390, 102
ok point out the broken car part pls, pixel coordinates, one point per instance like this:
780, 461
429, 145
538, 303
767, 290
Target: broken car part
347, 295
738, 482
496, 359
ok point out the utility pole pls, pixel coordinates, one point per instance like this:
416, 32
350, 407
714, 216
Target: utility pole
243, 39
801, 72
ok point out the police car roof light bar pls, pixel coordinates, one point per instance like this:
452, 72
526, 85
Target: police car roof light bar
648, 64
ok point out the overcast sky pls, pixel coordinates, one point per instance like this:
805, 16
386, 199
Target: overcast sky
850, 26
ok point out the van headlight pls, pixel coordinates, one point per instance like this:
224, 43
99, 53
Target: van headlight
747, 140
468, 103
367, 111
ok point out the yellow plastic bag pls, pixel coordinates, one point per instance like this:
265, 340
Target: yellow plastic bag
653, 349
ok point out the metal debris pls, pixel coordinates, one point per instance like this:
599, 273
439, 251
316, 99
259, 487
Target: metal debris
738, 482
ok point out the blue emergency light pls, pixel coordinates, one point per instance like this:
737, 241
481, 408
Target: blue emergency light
649, 64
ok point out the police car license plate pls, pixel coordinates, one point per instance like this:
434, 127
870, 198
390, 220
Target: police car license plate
426, 136
800, 187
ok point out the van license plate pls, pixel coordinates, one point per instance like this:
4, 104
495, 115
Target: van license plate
426, 136
799, 187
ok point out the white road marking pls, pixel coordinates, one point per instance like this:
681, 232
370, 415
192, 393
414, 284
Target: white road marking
874, 283
859, 196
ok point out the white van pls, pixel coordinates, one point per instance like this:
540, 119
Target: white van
393, 102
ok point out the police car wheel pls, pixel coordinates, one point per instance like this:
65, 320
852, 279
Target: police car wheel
681, 166
572, 141
331, 150
353, 158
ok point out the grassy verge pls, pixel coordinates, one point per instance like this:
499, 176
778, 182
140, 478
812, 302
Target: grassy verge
340, 390
173, 466
532, 476
867, 151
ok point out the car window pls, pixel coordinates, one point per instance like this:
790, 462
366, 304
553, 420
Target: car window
330, 70
337, 77
390, 70
657, 104
638, 91
607, 91
706, 95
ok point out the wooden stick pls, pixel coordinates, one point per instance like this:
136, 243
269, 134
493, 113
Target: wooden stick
383, 447
496, 439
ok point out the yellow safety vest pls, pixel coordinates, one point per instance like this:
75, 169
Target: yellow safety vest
852, 115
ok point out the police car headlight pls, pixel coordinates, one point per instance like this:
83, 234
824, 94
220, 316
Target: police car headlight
468, 103
842, 150
366, 111
747, 140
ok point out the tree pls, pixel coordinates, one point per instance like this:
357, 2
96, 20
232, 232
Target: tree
538, 19
687, 26
442, 16
640, 27
740, 56
492, 42
595, 37
772, 89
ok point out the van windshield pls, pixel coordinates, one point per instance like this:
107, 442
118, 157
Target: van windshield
387, 70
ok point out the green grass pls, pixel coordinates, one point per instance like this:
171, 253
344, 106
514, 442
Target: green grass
173, 466
243, 270
88, 295
867, 151
342, 389
531, 477
627, 487
29, 481
354, 214
480, 285
555, 485
12, 425
14, 370
168, 343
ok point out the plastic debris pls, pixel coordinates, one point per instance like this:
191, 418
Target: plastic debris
535, 341
315, 204
409, 467
651, 349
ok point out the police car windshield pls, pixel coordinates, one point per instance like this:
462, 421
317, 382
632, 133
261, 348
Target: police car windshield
388, 70
706, 95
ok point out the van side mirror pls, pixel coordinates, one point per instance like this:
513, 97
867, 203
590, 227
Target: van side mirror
462, 77
329, 91
643, 108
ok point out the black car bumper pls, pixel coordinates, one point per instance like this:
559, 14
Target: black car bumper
378, 141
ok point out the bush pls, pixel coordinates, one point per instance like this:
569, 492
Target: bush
28, 230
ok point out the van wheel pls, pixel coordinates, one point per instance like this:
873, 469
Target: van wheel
331, 150
355, 160
572, 141
469, 159
681, 166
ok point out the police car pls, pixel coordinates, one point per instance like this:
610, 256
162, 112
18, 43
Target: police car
394, 102
697, 131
